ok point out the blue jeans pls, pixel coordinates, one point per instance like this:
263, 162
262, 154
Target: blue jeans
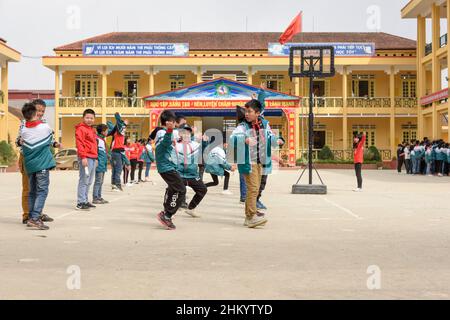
98, 183
416, 166
117, 166
85, 181
148, 165
39, 182
242, 186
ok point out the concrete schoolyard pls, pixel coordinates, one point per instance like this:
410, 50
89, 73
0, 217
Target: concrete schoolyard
391, 241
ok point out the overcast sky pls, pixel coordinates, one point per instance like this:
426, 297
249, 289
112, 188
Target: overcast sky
36, 27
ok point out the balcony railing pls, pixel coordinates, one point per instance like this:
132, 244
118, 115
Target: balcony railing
328, 102
406, 103
368, 102
124, 102
80, 102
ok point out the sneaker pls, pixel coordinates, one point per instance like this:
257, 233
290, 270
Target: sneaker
98, 201
140, 180
260, 214
129, 184
260, 205
246, 222
135, 182
256, 221
24, 221
165, 221
192, 213
46, 218
104, 201
357, 190
37, 224
115, 188
227, 192
242, 201
82, 207
90, 205
119, 186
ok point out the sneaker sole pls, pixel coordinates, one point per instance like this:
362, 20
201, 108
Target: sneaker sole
192, 215
80, 209
164, 224
261, 223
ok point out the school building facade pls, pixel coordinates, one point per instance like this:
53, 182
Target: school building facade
374, 89
433, 54
8, 122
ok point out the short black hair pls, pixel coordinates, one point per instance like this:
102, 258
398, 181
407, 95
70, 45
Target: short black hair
101, 127
29, 111
39, 102
88, 111
254, 104
179, 118
152, 135
167, 115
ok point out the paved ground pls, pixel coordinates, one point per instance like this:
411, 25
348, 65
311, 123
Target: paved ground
312, 247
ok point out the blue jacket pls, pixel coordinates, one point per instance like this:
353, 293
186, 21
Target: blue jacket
147, 155
217, 163
36, 147
187, 159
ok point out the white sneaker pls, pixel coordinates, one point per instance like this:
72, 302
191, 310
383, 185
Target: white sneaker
192, 213
256, 221
357, 190
129, 184
227, 192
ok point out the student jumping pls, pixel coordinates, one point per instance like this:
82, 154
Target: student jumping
187, 166
165, 163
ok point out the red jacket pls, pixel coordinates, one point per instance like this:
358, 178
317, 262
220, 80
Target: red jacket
140, 151
134, 151
118, 142
86, 141
358, 152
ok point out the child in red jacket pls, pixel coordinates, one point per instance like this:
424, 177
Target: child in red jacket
86, 141
358, 158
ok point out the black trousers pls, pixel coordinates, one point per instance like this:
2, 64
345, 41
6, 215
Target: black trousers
141, 167
175, 192
200, 191
125, 174
262, 186
133, 163
408, 166
201, 170
358, 168
400, 162
215, 181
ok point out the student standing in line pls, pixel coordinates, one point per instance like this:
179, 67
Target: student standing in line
358, 158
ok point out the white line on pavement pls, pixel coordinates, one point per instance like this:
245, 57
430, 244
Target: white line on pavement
348, 211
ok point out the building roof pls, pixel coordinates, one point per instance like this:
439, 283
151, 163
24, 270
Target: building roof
205, 41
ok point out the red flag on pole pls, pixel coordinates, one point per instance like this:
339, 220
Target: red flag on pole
294, 28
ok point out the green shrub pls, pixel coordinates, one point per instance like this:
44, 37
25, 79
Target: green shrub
7, 154
372, 154
326, 154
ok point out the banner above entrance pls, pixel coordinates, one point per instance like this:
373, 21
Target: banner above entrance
340, 49
136, 49
218, 94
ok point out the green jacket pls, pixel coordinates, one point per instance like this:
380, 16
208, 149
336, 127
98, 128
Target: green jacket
102, 154
187, 159
216, 162
440, 155
147, 155
165, 151
241, 150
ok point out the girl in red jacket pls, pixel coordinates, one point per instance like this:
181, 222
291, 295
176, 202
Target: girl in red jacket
358, 158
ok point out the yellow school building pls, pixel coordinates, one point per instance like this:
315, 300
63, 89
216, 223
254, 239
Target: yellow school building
9, 123
374, 89
433, 53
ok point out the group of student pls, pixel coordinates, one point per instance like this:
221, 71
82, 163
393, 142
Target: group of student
181, 155
424, 157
